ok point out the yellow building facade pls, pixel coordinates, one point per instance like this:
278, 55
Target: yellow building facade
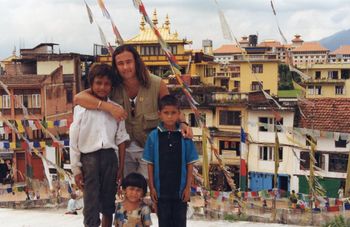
327, 80
241, 75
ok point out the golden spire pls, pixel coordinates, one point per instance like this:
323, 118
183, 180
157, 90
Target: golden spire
154, 18
142, 24
167, 22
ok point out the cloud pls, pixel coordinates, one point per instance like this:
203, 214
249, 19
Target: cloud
27, 23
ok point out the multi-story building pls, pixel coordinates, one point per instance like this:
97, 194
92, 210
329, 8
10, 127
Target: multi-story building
327, 122
275, 47
225, 53
309, 53
340, 55
331, 80
261, 126
45, 83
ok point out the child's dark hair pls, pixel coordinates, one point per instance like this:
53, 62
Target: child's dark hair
135, 180
168, 100
101, 70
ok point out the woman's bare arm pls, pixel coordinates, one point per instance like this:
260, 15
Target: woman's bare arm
88, 101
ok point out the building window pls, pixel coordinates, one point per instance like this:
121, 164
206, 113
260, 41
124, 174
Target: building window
69, 96
230, 117
224, 83
192, 119
173, 49
333, 75
6, 102
267, 124
318, 90
338, 163
229, 148
310, 90
36, 102
266, 153
37, 134
257, 68
318, 75
18, 101
339, 90
255, 86
340, 143
305, 160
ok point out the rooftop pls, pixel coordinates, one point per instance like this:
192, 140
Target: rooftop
310, 46
228, 49
146, 34
328, 114
342, 50
28, 80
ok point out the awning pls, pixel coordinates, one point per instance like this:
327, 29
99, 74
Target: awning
6, 154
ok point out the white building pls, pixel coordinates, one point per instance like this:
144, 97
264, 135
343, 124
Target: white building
261, 130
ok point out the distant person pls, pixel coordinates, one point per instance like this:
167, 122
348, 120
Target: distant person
72, 205
170, 159
293, 199
341, 192
132, 211
95, 136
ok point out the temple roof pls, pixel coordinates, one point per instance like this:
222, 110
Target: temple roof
146, 34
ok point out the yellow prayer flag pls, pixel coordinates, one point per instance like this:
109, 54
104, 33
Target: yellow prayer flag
205, 164
50, 124
42, 144
13, 145
20, 126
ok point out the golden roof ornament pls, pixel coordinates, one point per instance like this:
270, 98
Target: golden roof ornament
154, 18
167, 22
142, 24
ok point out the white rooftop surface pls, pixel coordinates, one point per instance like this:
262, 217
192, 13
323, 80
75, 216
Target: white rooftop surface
56, 218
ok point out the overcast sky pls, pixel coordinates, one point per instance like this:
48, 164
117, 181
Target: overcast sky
26, 23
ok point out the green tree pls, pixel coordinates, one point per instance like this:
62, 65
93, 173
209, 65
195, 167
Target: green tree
285, 77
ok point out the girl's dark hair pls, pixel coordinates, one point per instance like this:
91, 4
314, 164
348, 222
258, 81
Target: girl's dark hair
142, 73
135, 180
101, 70
168, 100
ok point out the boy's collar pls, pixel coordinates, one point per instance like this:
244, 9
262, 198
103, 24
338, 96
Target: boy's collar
161, 128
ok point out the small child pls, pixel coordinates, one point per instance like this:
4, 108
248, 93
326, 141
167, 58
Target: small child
95, 136
72, 205
132, 212
170, 159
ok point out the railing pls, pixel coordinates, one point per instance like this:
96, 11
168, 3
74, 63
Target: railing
228, 97
252, 57
326, 80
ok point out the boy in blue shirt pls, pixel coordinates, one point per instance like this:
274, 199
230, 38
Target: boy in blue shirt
170, 159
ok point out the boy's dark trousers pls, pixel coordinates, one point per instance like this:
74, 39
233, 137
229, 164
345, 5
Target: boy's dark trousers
172, 213
100, 173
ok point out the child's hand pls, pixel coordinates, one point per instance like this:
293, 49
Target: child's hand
153, 194
120, 176
186, 131
120, 192
186, 194
79, 181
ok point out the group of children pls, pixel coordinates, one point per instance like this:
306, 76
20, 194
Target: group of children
97, 150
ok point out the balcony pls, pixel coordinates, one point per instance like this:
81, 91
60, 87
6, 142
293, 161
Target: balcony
222, 98
255, 57
324, 81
